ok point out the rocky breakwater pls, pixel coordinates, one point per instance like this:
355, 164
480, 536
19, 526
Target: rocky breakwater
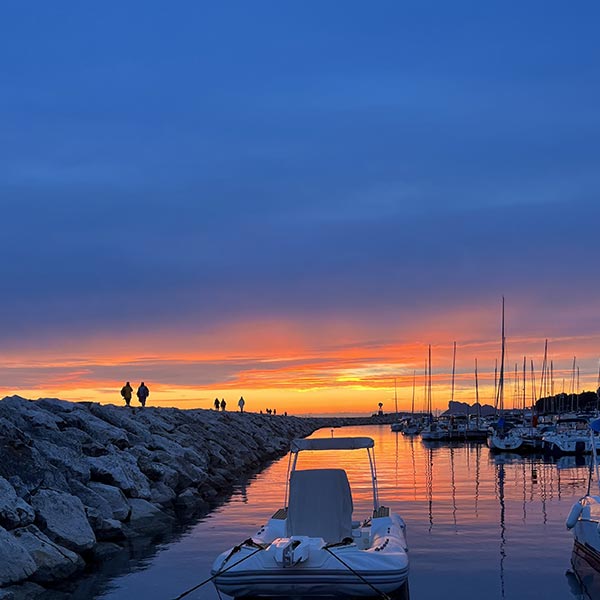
78, 480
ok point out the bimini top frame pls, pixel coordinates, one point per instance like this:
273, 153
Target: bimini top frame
342, 443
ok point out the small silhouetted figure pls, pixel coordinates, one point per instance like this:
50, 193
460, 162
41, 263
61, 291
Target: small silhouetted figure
142, 393
241, 403
126, 392
223, 404
217, 404
274, 411
285, 414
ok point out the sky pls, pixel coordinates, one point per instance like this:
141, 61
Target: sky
291, 201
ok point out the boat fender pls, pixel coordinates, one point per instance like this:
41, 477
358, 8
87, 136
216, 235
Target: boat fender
574, 515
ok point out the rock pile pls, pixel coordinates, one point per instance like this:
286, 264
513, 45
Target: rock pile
77, 479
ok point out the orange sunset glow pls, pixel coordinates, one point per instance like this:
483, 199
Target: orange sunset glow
327, 369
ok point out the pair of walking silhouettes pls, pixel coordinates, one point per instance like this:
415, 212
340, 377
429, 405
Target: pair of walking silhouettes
142, 393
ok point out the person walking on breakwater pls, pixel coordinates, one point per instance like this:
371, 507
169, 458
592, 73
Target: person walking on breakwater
143, 393
126, 392
217, 404
241, 403
223, 404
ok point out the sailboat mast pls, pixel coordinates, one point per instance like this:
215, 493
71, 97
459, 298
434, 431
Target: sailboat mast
396, 397
496, 386
533, 398
453, 370
500, 400
413, 395
477, 394
429, 383
524, 385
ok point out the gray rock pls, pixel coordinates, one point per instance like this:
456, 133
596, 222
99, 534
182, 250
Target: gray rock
146, 516
29, 414
53, 562
100, 430
114, 497
14, 512
95, 505
16, 563
161, 493
121, 470
24, 591
104, 550
109, 530
66, 459
63, 519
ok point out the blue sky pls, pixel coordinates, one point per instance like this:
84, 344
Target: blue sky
193, 165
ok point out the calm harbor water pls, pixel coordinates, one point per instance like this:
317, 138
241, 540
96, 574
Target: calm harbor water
479, 525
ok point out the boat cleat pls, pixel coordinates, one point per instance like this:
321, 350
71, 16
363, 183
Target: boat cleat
288, 552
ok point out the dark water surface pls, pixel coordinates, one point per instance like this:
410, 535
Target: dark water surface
479, 526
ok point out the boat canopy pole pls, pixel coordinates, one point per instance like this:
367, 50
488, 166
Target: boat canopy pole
374, 479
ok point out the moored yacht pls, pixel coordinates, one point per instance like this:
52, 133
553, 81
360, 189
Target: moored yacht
571, 436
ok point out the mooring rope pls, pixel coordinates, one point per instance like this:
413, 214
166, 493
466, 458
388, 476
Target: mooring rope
378, 592
235, 549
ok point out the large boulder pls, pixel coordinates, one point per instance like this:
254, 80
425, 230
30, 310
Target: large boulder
96, 506
114, 497
121, 470
66, 459
146, 517
16, 563
62, 517
14, 511
53, 562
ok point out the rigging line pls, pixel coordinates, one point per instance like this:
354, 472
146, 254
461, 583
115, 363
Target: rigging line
212, 577
378, 592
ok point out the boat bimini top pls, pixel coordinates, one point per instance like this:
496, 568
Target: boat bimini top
335, 479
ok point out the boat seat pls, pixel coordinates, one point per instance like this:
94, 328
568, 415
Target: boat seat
320, 504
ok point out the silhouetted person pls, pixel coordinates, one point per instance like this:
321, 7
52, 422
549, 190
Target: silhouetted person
217, 404
126, 392
274, 411
241, 403
223, 404
142, 393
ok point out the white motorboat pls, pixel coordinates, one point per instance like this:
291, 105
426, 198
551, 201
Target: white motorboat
571, 436
434, 432
312, 547
584, 520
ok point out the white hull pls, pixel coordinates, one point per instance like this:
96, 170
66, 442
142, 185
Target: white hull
377, 556
566, 443
584, 520
509, 441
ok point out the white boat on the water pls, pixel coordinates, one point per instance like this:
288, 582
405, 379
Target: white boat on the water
313, 547
571, 436
584, 519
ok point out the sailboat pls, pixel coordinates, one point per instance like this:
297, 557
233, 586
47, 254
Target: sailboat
503, 437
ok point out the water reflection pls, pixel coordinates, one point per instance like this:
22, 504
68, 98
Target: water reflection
479, 525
